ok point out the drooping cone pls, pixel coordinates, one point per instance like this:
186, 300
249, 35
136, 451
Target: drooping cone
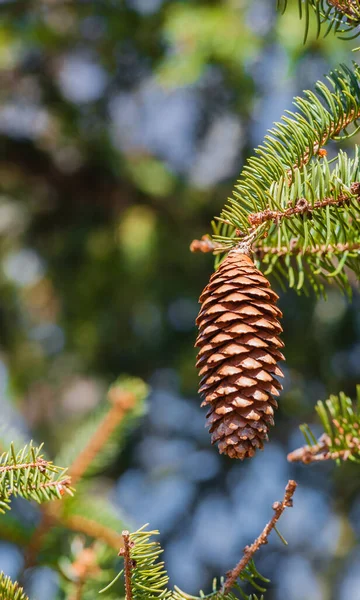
239, 351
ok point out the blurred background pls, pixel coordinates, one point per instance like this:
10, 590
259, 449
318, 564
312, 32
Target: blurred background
123, 125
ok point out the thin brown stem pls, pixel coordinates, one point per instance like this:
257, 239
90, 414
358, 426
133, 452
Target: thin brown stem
322, 451
249, 551
128, 564
301, 207
122, 402
92, 529
294, 249
84, 567
347, 7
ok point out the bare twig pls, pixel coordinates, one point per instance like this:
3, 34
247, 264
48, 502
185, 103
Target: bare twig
128, 563
206, 244
249, 551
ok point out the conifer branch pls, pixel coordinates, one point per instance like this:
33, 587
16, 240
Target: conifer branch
341, 438
27, 474
249, 551
341, 16
10, 590
146, 577
303, 206
84, 567
128, 563
322, 250
93, 529
122, 401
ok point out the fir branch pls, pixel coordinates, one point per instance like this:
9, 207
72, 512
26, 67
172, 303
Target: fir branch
27, 474
99, 439
341, 438
249, 551
10, 590
303, 206
121, 402
129, 563
289, 192
319, 250
147, 579
84, 567
341, 16
93, 529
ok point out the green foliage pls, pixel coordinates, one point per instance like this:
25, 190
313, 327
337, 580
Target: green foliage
26, 473
267, 199
10, 590
341, 422
340, 16
149, 578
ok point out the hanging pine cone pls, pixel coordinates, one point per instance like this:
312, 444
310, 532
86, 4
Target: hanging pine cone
239, 351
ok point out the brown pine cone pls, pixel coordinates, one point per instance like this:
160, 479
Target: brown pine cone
239, 351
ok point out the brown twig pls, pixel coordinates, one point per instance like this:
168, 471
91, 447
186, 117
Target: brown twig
321, 451
302, 206
294, 249
347, 7
92, 529
84, 567
125, 551
122, 402
249, 551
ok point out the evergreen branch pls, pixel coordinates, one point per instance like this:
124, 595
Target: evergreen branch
10, 590
341, 438
121, 402
341, 16
27, 474
99, 439
289, 192
249, 551
320, 209
323, 250
93, 529
84, 567
128, 563
147, 579
303, 206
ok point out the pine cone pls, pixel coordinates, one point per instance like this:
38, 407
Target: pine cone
239, 350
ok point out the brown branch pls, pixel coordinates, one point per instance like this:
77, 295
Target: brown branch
321, 451
249, 551
40, 464
128, 563
93, 529
261, 251
302, 206
348, 7
122, 402
330, 133
206, 244
84, 567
